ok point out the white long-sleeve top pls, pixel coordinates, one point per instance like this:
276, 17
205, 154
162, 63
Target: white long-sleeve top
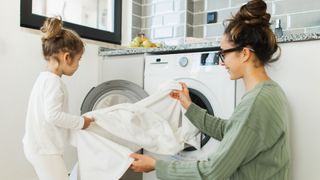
47, 121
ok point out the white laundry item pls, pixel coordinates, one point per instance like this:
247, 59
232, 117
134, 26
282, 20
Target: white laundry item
155, 123
100, 158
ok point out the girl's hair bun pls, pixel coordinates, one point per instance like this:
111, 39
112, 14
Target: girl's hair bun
52, 28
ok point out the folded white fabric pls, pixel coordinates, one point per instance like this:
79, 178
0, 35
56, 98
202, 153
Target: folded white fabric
155, 123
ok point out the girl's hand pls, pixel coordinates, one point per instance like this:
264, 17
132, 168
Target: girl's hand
87, 122
142, 163
183, 96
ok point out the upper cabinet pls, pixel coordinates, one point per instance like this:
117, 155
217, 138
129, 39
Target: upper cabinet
93, 19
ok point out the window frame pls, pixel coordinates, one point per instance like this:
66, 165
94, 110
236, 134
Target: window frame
34, 21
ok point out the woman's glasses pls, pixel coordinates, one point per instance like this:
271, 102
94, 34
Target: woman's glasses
222, 52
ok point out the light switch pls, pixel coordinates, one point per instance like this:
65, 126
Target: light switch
212, 17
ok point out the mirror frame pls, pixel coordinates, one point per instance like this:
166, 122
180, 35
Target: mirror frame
34, 21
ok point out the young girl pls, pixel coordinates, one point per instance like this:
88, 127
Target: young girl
47, 122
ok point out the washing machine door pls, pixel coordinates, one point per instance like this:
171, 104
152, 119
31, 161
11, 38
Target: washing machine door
111, 93
204, 97
201, 100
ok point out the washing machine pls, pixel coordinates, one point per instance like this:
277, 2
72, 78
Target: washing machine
209, 86
120, 81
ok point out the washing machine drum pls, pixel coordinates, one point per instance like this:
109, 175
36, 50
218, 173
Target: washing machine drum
121, 91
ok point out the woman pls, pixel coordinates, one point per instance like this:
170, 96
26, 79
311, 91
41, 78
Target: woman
254, 141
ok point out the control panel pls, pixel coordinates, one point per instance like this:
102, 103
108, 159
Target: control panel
210, 58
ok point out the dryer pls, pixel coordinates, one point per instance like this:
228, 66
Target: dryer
120, 81
209, 86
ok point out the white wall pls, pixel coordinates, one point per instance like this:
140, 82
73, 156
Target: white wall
297, 72
20, 63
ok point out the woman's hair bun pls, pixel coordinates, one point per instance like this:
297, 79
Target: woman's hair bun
52, 28
254, 13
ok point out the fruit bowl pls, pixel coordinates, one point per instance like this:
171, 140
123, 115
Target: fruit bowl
142, 41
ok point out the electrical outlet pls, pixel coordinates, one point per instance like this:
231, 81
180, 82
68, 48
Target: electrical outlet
212, 17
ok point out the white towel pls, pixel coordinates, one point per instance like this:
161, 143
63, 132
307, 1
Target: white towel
155, 123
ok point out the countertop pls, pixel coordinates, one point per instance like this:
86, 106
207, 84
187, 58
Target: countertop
206, 46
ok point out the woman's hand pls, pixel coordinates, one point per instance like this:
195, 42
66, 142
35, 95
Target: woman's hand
142, 163
183, 96
87, 122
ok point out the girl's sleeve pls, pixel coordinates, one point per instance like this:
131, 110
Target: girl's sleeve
53, 102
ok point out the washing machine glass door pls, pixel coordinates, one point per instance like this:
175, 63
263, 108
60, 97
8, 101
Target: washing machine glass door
114, 97
111, 93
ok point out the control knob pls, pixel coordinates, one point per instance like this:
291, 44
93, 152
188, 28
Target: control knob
183, 61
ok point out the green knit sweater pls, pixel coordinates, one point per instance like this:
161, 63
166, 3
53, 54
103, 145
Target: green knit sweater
254, 141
